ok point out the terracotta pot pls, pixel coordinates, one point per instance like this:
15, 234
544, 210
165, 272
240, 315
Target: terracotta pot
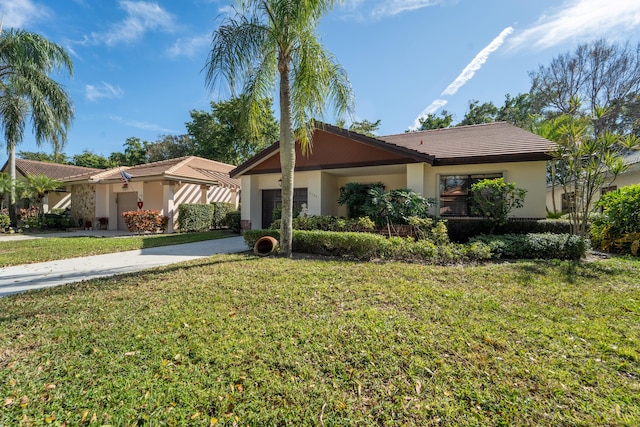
265, 246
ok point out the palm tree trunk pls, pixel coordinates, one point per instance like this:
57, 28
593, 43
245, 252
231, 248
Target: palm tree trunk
12, 194
287, 161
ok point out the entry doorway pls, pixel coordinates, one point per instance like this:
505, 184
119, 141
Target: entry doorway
272, 201
126, 201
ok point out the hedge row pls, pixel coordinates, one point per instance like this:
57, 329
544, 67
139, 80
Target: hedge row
145, 221
461, 230
201, 217
369, 246
539, 246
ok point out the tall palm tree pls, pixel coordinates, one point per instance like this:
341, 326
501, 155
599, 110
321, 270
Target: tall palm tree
28, 91
270, 42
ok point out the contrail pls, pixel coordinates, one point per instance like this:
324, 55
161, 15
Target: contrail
466, 74
432, 108
477, 62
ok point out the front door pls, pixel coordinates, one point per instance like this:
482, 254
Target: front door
272, 201
127, 201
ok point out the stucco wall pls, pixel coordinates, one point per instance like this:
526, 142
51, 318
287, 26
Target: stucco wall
530, 176
629, 178
323, 186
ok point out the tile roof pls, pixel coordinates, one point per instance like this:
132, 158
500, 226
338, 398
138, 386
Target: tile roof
52, 170
475, 143
189, 168
486, 143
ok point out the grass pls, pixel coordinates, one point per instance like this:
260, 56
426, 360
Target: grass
54, 248
246, 341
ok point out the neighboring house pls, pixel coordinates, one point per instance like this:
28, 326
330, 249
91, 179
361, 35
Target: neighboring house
59, 199
440, 164
101, 197
629, 177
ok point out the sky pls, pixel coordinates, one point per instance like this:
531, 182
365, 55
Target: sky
138, 65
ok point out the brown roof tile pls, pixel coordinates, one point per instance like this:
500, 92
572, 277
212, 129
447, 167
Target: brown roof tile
52, 170
475, 143
182, 168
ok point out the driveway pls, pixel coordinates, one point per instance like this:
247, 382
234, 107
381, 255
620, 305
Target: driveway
21, 278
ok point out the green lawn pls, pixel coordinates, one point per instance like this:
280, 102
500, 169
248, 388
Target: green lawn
240, 340
53, 248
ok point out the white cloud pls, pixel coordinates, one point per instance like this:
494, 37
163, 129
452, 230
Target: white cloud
104, 90
21, 13
141, 17
580, 19
143, 125
189, 47
466, 75
227, 10
477, 62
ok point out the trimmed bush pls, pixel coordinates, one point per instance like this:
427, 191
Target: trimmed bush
232, 221
220, 212
461, 230
535, 246
5, 221
195, 217
145, 221
370, 246
329, 223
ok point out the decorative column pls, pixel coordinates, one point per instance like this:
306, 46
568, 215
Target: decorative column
167, 203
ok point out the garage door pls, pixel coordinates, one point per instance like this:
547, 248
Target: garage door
126, 202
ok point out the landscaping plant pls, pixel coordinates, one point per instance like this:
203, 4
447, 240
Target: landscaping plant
495, 199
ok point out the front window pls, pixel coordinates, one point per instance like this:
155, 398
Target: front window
454, 193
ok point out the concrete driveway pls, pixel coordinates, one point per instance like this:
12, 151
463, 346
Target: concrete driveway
26, 277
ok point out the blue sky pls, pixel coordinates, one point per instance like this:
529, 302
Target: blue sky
138, 64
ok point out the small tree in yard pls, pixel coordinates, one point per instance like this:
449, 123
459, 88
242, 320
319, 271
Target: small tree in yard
395, 207
38, 186
494, 199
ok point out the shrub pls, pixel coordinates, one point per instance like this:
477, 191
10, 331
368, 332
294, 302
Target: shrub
356, 196
329, 223
195, 217
5, 221
494, 199
536, 246
369, 246
430, 229
145, 221
220, 212
232, 220
618, 227
396, 206
461, 230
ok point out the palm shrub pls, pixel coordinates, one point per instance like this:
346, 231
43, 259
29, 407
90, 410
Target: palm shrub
618, 228
356, 197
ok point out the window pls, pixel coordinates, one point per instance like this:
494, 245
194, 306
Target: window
609, 189
454, 193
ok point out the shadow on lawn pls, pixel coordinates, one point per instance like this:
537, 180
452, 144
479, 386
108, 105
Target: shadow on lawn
572, 271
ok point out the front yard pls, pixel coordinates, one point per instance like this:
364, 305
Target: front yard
238, 340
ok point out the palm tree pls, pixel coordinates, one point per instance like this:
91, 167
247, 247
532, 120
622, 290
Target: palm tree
274, 41
27, 91
39, 186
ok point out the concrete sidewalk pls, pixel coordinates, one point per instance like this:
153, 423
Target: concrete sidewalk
22, 278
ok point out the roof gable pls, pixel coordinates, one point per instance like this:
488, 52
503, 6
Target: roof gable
334, 148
